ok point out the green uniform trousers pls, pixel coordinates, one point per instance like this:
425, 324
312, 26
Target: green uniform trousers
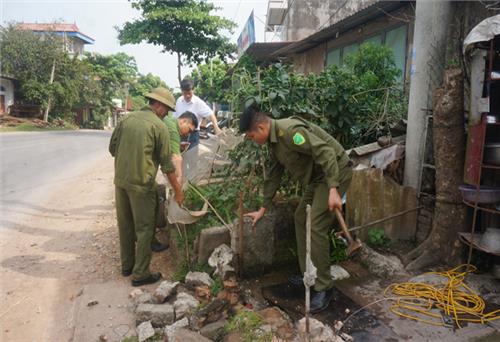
322, 221
136, 216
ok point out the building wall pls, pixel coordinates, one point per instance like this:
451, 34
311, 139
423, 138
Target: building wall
7, 90
304, 18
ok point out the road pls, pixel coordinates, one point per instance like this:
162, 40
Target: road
32, 162
57, 235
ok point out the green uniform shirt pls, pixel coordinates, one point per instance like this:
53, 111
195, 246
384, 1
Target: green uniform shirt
140, 143
307, 151
175, 134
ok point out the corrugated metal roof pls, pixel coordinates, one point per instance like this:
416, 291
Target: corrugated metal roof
55, 27
370, 12
265, 51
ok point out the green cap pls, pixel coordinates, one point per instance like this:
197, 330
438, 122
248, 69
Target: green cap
162, 95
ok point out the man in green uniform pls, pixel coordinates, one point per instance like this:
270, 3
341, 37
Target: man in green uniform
182, 126
320, 163
140, 144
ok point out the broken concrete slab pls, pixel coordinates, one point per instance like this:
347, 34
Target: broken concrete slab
164, 290
160, 315
338, 273
211, 238
118, 316
258, 252
170, 329
184, 305
383, 266
214, 330
194, 279
144, 331
184, 335
145, 298
221, 259
319, 332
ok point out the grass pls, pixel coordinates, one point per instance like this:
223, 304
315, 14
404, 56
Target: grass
30, 127
247, 323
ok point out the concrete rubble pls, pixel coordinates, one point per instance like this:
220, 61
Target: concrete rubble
163, 291
184, 304
145, 330
319, 332
170, 329
194, 279
160, 315
221, 260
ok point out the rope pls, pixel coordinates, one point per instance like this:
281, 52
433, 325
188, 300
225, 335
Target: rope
454, 299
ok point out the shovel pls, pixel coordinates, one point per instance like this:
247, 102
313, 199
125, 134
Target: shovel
352, 245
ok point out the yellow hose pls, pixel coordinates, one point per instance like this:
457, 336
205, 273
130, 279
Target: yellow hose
454, 299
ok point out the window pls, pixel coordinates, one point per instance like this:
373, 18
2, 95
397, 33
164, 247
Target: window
333, 57
349, 50
377, 40
395, 39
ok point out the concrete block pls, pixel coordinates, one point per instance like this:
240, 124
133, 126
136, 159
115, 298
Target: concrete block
160, 315
209, 239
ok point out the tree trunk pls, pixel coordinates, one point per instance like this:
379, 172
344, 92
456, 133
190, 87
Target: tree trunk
442, 244
179, 65
46, 113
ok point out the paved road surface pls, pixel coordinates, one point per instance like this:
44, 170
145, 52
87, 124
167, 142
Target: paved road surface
32, 163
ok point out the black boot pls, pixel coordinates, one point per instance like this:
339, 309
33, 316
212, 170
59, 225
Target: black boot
157, 246
320, 300
153, 278
296, 280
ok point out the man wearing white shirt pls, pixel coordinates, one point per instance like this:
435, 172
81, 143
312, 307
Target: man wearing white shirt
192, 103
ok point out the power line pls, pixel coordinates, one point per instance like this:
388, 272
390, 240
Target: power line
237, 9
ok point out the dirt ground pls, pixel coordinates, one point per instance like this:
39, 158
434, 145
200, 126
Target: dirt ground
59, 257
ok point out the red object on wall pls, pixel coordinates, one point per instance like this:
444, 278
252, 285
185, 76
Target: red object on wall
474, 152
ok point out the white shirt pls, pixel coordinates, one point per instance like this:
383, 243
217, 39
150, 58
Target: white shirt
196, 106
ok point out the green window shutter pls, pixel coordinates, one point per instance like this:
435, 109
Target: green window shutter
396, 41
377, 40
349, 49
333, 57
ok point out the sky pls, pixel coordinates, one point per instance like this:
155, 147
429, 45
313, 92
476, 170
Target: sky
98, 19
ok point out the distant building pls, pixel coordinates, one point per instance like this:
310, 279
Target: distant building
7, 87
74, 41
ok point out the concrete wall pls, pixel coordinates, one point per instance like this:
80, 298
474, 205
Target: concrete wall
306, 17
8, 92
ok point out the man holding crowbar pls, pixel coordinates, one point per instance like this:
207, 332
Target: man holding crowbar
320, 163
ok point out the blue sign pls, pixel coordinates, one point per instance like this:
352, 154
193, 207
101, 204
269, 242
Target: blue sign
247, 36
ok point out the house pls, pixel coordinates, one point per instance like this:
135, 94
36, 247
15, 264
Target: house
7, 90
74, 41
339, 28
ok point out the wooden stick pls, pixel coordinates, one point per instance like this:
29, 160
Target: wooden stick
240, 236
211, 206
308, 256
401, 213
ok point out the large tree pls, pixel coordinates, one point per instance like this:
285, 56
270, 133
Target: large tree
184, 27
211, 79
142, 85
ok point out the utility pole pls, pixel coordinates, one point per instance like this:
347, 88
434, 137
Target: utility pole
432, 20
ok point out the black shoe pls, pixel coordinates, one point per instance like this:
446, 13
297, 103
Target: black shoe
153, 278
296, 280
157, 246
320, 300
126, 273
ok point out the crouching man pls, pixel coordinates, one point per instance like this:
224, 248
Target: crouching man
320, 163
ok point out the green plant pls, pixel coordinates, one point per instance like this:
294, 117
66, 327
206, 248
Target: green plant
338, 251
183, 268
247, 323
217, 286
377, 238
